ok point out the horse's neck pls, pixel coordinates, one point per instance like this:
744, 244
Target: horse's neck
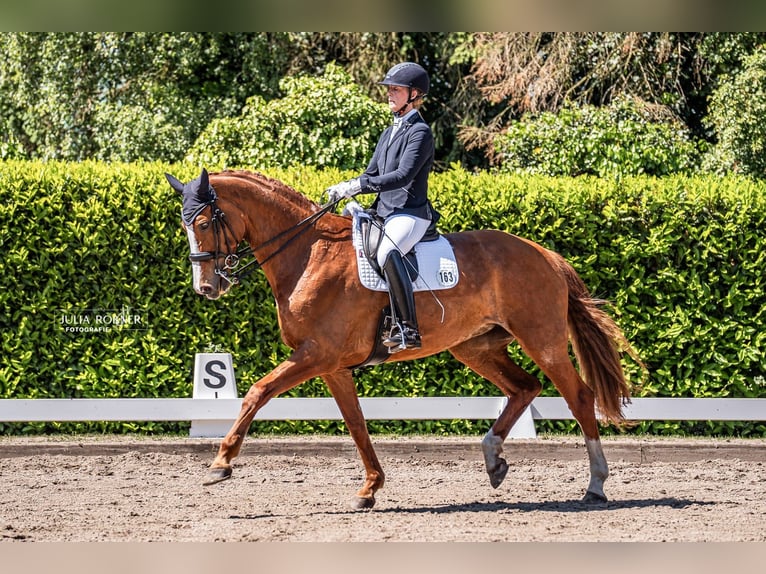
273, 231
271, 223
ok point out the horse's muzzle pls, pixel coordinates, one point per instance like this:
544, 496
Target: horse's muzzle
214, 288
208, 291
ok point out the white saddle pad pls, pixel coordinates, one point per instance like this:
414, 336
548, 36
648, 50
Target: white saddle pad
437, 267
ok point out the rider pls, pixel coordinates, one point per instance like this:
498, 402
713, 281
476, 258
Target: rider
398, 173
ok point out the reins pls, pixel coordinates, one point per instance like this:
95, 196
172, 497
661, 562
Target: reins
232, 271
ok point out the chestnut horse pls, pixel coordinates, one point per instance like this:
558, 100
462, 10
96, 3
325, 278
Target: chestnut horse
510, 289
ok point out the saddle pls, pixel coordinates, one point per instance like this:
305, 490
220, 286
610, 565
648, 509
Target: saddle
371, 230
431, 264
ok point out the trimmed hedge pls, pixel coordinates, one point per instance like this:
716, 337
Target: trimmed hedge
682, 259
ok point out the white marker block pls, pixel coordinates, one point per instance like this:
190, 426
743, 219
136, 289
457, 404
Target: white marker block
213, 379
524, 427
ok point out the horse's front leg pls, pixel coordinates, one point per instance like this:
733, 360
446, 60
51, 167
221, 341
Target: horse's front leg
298, 368
341, 385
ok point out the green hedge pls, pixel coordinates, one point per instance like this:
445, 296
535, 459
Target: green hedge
682, 260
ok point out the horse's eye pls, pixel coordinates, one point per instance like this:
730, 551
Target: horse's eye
204, 225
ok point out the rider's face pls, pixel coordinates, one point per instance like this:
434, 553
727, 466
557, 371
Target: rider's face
397, 97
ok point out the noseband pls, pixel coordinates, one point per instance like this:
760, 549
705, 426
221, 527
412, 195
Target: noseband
232, 270
231, 259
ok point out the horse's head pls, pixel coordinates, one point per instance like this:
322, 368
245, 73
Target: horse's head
213, 238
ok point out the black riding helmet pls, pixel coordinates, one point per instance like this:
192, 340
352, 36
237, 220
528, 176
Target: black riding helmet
409, 75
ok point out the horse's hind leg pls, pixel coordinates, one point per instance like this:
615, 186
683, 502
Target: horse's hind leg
341, 385
581, 401
558, 367
487, 355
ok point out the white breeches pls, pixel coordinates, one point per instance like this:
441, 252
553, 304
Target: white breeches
401, 232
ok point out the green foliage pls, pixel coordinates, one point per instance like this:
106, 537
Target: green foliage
738, 116
680, 258
11, 149
618, 140
323, 121
127, 96
147, 96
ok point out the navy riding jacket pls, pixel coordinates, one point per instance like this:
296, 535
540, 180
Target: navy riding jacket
398, 170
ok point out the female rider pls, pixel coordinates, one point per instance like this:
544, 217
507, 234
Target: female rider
398, 174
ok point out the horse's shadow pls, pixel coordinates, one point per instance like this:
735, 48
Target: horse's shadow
544, 506
551, 506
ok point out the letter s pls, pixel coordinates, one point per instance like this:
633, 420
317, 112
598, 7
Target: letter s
220, 377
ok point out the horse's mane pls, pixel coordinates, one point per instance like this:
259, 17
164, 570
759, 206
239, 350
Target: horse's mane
271, 185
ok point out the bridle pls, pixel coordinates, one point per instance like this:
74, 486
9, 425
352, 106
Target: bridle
233, 270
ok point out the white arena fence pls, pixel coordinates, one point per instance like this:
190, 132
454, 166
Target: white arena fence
214, 416
382, 408
215, 405
379, 408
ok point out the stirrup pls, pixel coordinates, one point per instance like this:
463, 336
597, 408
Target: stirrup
402, 337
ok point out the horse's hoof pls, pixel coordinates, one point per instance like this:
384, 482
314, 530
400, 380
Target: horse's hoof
498, 473
594, 498
363, 502
215, 475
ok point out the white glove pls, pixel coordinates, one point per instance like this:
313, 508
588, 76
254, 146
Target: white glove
352, 208
347, 189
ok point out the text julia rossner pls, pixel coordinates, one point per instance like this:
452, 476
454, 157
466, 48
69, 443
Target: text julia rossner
98, 321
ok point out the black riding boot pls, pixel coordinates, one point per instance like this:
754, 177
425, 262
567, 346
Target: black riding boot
404, 334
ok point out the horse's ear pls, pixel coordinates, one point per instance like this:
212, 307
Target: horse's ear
174, 183
204, 181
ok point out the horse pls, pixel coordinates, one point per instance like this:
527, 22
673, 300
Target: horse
509, 289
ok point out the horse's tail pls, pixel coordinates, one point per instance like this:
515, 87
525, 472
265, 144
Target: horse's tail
597, 342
